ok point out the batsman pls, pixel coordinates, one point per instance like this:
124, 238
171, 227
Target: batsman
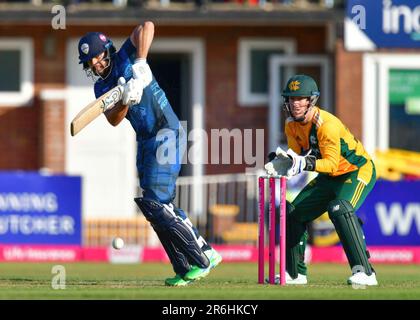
158, 132
319, 141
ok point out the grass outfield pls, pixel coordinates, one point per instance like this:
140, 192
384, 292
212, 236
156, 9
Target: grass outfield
231, 281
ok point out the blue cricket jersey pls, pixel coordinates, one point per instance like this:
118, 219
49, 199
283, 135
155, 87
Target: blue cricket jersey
147, 118
154, 111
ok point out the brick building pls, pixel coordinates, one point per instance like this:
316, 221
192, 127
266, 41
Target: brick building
212, 63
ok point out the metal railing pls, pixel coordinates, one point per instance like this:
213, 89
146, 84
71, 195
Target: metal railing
228, 213
99, 232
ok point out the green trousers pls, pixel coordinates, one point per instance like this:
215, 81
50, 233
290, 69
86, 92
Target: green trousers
313, 201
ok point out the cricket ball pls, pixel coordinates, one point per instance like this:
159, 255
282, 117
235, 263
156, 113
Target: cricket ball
117, 243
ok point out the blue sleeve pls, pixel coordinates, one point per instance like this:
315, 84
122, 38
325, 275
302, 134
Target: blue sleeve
127, 51
97, 89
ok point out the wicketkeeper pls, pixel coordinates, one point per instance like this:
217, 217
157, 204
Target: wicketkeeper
157, 129
319, 141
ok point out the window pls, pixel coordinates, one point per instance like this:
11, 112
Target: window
16, 83
391, 102
253, 75
404, 109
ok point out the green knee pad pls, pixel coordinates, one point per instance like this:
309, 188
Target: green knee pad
349, 230
296, 237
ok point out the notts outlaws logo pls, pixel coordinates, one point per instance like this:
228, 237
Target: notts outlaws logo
294, 85
112, 98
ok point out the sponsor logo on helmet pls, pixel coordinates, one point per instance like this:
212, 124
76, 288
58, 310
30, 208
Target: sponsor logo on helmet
85, 48
102, 37
294, 85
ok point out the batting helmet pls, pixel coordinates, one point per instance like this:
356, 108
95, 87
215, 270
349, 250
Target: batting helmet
93, 44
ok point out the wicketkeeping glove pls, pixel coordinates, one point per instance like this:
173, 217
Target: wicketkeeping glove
272, 155
279, 164
289, 163
300, 163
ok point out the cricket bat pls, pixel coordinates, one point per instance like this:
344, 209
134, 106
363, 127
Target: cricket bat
95, 109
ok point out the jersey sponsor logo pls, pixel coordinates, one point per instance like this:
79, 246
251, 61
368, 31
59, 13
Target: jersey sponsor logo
294, 85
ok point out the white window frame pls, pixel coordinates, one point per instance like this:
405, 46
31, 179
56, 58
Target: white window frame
276, 83
376, 96
195, 47
245, 97
25, 95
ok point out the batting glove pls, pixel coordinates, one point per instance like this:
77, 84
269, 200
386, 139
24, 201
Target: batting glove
122, 82
141, 71
133, 91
